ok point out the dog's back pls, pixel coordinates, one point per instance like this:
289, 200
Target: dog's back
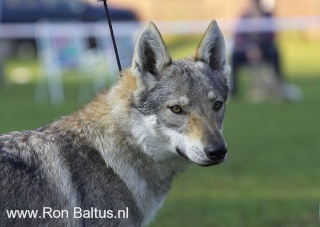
45, 172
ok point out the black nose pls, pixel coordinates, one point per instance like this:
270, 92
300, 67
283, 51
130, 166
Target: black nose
216, 151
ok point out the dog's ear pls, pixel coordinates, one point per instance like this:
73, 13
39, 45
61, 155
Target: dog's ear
212, 48
150, 54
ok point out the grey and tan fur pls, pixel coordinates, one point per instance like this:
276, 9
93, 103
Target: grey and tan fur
124, 148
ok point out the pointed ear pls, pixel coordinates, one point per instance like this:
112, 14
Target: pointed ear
150, 54
212, 48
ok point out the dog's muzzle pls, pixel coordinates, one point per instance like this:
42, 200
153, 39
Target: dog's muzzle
215, 154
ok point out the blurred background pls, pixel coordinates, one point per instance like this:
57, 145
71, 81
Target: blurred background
54, 55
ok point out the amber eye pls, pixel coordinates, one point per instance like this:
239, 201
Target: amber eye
217, 105
176, 109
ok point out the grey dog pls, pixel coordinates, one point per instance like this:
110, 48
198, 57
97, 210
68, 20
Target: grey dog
111, 163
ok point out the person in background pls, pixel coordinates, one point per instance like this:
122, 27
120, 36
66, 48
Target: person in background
254, 40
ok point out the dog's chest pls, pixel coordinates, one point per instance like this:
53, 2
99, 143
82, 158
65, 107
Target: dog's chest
149, 207
149, 191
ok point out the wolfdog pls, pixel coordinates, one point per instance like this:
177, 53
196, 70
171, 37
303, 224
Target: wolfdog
120, 151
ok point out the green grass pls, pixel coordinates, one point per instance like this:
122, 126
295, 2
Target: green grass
18, 110
272, 174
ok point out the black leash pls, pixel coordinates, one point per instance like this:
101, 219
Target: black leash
111, 32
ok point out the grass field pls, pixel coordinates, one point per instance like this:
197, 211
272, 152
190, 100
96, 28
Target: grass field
272, 174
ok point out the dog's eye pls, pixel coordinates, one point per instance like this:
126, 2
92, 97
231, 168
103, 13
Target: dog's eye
217, 105
176, 109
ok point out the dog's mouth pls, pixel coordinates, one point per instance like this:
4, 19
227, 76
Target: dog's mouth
212, 163
215, 161
182, 154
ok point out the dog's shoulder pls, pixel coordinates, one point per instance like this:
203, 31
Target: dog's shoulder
17, 149
24, 181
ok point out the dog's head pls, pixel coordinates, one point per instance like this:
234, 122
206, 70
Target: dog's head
180, 104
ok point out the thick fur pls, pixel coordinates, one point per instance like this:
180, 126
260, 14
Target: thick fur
124, 148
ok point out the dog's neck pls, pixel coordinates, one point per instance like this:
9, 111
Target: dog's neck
148, 178
109, 115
